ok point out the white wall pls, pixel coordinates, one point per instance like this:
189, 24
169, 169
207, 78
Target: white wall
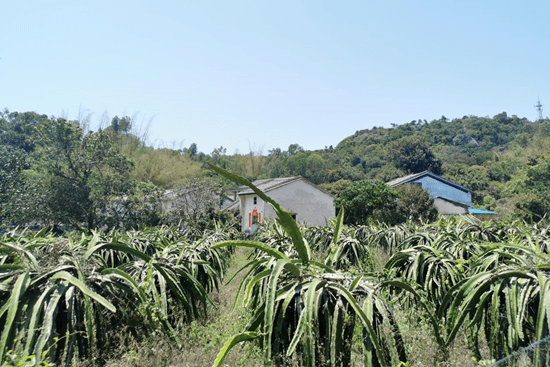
247, 206
310, 204
446, 207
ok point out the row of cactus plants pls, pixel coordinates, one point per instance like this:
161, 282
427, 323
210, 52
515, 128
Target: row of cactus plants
313, 295
309, 290
61, 298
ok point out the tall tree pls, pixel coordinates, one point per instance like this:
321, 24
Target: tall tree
121, 124
12, 185
413, 154
18, 129
415, 204
535, 189
368, 201
84, 174
316, 168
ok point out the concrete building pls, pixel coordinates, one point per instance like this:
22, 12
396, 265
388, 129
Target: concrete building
304, 200
449, 198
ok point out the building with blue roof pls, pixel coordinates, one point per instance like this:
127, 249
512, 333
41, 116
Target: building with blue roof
449, 198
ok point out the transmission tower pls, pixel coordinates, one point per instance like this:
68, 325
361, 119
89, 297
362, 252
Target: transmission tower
538, 106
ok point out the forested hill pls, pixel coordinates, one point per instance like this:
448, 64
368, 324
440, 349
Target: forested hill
504, 160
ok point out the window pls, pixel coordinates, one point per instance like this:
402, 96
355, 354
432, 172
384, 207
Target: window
255, 200
293, 215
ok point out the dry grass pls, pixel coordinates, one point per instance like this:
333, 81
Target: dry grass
379, 258
422, 347
202, 340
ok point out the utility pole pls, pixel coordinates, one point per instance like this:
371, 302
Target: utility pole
538, 106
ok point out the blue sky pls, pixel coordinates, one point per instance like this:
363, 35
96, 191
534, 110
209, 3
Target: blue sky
260, 74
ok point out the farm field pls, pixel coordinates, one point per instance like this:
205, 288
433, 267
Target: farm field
452, 292
440, 294
276, 184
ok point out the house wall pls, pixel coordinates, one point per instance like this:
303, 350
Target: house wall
447, 208
437, 188
311, 205
248, 206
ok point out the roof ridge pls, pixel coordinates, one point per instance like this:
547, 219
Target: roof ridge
271, 183
405, 179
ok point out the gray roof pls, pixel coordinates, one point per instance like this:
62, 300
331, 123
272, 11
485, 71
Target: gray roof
234, 205
415, 176
268, 184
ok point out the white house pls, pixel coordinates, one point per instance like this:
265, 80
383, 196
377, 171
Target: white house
449, 198
304, 200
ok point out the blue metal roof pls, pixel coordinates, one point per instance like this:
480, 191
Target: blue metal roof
437, 186
480, 211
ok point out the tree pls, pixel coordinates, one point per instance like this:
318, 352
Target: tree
368, 201
193, 201
316, 170
18, 129
294, 148
536, 187
84, 174
218, 156
139, 206
12, 185
192, 150
474, 178
296, 164
335, 187
121, 125
415, 204
412, 154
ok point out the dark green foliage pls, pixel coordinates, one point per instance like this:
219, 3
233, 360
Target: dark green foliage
54, 174
473, 178
84, 173
335, 187
368, 201
316, 170
12, 191
502, 170
18, 129
413, 155
536, 203
415, 204
121, 125
538, 179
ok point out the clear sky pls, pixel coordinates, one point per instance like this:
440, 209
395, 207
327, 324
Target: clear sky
267, 74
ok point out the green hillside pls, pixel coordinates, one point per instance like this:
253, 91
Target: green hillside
69, 175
